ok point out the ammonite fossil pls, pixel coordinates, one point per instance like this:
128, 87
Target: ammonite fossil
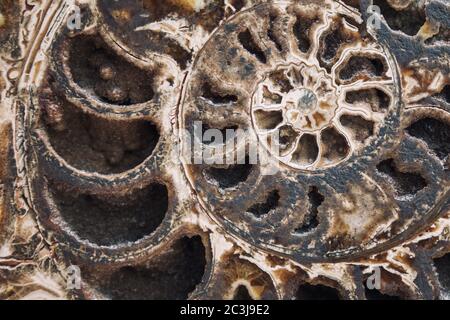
347, 103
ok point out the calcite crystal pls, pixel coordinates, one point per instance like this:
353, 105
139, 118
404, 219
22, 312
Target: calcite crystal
105, 107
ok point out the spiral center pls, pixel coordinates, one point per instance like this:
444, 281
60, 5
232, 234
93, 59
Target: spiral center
307, 101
